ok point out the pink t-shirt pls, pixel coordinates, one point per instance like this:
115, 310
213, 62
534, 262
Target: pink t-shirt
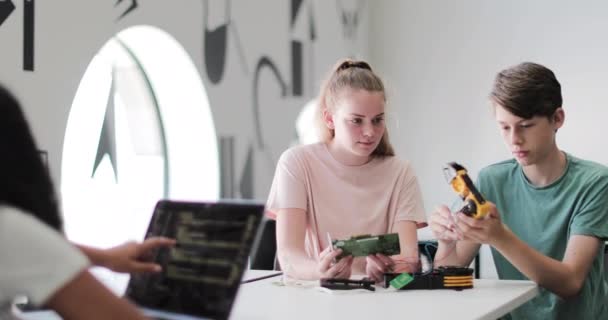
344, 200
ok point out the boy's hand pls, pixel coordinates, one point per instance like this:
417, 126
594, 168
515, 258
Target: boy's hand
487, 230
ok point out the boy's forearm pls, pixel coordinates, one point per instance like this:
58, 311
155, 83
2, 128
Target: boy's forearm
549, 273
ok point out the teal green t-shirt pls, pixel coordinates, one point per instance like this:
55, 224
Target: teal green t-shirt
545, 218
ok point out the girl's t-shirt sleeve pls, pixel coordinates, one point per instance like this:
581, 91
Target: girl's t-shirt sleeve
288, 190
410, 205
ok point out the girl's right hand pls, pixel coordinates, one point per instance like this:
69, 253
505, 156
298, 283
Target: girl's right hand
328, 268
376, 265
443, 226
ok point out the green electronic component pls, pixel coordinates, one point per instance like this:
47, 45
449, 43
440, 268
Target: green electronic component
364, 245
401, 280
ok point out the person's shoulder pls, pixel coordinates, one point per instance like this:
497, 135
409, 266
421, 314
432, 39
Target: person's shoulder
10, 214
587, 164
19, 224
302, 150
302, 153
588, 169
395, 164
392, 160
498, 169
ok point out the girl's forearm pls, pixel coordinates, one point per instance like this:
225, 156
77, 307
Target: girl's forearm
298, 264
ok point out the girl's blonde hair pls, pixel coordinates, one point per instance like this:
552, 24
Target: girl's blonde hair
351, 74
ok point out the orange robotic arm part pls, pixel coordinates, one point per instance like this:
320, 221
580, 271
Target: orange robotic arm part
474, 203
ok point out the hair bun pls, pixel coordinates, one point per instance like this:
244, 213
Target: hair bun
347, 64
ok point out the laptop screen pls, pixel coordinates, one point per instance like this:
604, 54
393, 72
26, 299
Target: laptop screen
201, 274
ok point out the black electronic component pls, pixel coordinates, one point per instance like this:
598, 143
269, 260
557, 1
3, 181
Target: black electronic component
347, 284
456, 278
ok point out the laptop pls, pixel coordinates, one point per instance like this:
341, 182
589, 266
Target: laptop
202, 273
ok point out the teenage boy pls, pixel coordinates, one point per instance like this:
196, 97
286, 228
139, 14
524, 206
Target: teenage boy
549, 216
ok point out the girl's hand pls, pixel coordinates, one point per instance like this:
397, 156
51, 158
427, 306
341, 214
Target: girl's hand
328, 268
377, 265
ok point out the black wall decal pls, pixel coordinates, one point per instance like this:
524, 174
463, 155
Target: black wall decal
246, 185
264, 62
295, 7
312, 32
296, 68
297, 60
349, 23
107, 138
297, 48
215, 42
28, 35
6, 8
131, 7
215, 53
349, 19
226, 145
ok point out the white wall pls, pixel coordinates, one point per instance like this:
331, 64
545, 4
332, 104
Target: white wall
440, 58
69, 33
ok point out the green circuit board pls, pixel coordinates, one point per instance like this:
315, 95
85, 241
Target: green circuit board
364, 245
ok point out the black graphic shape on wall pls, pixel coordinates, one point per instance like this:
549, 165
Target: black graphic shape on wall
226, 145
6, 8
215, 52
264, 62
246, 185
28, 35
131, 7
107, 138
349, 19
216, 42
295, 7
312, 32
297, 46
296, 69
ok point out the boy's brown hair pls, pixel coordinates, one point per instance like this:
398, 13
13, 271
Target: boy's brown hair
527, 90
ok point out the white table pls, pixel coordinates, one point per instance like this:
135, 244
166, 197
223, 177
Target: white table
263, 299
252, 275
489, 299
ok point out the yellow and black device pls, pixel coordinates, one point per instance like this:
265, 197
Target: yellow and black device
474, 204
